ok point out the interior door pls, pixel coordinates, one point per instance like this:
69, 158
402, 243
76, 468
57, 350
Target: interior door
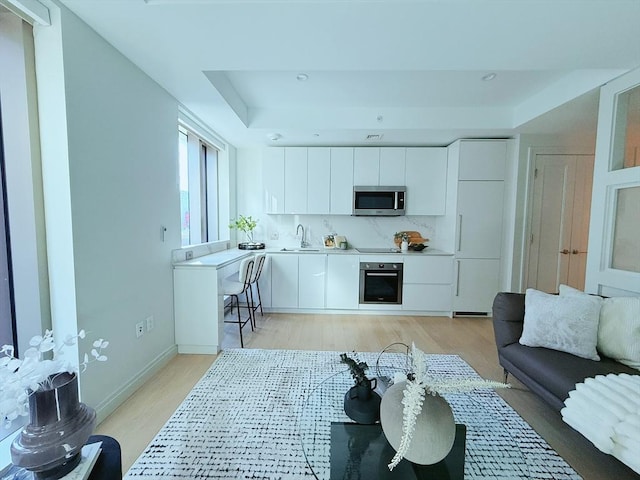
560, 221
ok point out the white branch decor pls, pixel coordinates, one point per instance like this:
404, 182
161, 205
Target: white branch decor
419, 383
21, 377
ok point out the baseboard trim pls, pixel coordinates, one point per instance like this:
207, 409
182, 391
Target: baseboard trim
111, 403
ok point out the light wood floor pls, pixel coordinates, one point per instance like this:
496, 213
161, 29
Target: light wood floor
136, 421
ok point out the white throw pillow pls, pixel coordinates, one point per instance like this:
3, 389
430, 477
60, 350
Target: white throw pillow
565, 323
619, 330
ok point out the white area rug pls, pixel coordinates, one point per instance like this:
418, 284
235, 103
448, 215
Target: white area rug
241, 421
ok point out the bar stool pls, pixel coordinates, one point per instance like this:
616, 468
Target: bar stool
234, 286
259, 261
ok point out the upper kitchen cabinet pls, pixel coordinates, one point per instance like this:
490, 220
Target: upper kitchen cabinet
318, 179
366, 166
341, 195
273, 179
426, 180
392, 166
295, 180
379, 166
482, 159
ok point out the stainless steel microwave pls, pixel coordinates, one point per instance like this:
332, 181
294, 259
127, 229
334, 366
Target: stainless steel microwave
379, 201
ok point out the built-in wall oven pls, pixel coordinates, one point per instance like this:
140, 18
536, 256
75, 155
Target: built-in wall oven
380, 283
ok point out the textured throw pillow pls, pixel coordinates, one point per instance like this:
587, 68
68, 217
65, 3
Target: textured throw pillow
565, 323
619, 330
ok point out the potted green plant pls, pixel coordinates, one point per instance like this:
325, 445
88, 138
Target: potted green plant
246, 225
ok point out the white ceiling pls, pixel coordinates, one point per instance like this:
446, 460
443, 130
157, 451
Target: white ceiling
410, 70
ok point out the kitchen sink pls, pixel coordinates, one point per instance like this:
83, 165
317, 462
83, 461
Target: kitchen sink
299, 249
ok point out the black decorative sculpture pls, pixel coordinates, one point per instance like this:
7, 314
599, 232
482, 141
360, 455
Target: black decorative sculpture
361, 403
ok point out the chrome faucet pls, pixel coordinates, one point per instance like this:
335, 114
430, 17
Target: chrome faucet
303, 240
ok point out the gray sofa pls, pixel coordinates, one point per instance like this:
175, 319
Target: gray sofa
548, 373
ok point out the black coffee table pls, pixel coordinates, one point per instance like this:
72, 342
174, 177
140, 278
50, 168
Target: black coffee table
334, 445
362, 452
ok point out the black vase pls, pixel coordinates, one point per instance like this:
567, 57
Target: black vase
362, 404
59, 426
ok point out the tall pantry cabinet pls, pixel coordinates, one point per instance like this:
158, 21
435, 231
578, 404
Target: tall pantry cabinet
479, 223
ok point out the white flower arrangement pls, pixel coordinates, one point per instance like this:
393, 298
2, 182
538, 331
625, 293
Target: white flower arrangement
21, 377
419, 383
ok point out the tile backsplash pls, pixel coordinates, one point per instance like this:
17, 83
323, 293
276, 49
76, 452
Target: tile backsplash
280, 230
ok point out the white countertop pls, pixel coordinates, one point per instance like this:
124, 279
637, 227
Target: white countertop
225, 257
218, 259
353, 251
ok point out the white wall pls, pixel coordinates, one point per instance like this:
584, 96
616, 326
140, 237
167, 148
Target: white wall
121, 155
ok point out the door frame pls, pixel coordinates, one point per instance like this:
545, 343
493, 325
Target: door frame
528, 211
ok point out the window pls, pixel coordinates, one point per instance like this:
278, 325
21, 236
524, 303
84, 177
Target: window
7, 316
198, 174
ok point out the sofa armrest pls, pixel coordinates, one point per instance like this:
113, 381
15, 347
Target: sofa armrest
508, 318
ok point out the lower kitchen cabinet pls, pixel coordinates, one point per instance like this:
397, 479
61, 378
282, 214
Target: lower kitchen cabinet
343, 277
284, 281
477, 283
311, 280
297, 281
427, 283
427, 298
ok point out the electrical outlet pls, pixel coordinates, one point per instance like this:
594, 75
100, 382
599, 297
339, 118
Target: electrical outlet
150, 323
139, 329
275, 236
188, 254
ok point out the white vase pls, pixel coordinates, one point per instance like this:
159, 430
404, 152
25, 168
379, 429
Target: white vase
404, 246
435, 429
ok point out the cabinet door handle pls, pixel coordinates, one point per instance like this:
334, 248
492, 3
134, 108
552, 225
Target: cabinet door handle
459, 232
564, 252
458, 279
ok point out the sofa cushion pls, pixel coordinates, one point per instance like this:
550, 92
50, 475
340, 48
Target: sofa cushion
565, 323
618, 328
558, 371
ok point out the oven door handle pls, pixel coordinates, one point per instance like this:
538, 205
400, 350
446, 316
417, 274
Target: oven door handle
380, 274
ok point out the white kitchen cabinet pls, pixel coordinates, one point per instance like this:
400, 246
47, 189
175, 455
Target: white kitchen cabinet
392, 166
273, 179
482, 159
284, 281
318, 179
341, 202
426, 298
295, 180
428, 269
477, 283
426, 180
265, 285
343, 281
479, 221
312, 271
427, 283
479, 224
366, 166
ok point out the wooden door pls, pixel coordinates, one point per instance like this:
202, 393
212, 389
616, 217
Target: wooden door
560, 221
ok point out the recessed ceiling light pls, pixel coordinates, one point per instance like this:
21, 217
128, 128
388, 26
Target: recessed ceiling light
489, 76
302, 77
274, 137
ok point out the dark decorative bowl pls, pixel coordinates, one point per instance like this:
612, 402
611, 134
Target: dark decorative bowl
417, 247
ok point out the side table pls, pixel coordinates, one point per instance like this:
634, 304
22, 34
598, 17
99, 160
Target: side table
109, 463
